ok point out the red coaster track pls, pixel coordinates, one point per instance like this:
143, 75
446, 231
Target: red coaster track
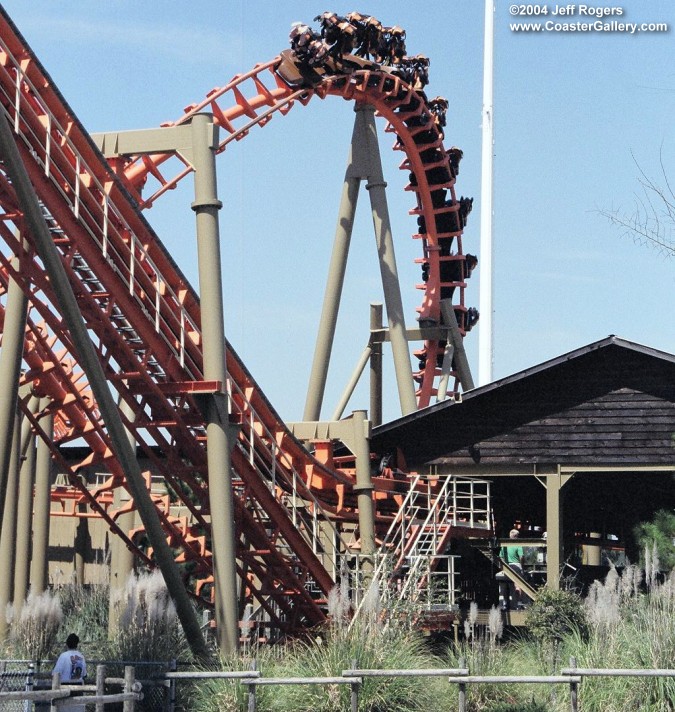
144, 319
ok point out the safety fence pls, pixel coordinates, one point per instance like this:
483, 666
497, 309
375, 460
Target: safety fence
57, 694
97, 696
460, 677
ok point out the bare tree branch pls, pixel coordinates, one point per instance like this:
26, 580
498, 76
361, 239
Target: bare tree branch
652, 223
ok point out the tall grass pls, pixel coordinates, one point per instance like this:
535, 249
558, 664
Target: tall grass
630, 629
85, 612
148, 629
622, 624
373, 640
34, 631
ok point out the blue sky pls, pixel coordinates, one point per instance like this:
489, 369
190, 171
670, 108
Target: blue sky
573, 112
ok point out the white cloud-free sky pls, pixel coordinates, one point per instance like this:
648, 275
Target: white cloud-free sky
576, 115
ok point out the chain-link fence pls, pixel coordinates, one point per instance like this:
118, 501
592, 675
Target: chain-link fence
150, 674
16, 675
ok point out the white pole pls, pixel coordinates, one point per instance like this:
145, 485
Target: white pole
485, 349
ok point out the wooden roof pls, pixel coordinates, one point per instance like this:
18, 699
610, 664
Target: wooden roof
611, 403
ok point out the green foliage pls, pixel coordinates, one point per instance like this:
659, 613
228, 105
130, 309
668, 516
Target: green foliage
85, 612
531, 706
482, 656
660, 532
640, 636
227, 695
554, 615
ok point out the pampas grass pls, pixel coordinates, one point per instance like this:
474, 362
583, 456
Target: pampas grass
148, 629
34, 632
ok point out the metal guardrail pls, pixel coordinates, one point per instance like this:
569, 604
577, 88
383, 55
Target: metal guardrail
459, 676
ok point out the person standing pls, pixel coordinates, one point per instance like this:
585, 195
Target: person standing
72, 668
513, 555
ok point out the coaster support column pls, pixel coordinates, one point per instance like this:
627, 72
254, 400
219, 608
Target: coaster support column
218, 430
11, 354
376, 185
375, 366
42, 504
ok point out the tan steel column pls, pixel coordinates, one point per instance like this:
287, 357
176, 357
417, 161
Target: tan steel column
375, 367
220, 436
333, 293
23, 526
461, 361
42, 505
385, 249
9, 529
364, 490
554, 528
13, 332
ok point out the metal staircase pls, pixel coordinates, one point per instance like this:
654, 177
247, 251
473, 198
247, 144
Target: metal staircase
413, 561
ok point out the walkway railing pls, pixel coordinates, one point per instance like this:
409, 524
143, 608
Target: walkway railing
59, 693
571, 676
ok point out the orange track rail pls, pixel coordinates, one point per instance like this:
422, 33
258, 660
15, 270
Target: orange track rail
144, 319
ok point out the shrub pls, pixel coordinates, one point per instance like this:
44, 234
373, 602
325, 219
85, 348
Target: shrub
554, 615
659, 534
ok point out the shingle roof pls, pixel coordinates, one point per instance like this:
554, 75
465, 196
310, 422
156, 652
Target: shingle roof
557, 385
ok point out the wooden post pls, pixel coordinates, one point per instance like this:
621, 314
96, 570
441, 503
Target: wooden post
56, 685
129, 679
251, 689
100, 687
462, 689
574, 687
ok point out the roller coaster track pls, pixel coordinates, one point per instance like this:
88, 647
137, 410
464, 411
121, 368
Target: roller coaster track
144, 320
432, 175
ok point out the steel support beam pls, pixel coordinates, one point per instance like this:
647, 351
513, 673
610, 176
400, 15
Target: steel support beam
334, 284
353, 382
461, 361
375, 367
23, 524
41, 506
90, 364
364, 489
13, 334
375, 186
219, 433
8, 532
364, 164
